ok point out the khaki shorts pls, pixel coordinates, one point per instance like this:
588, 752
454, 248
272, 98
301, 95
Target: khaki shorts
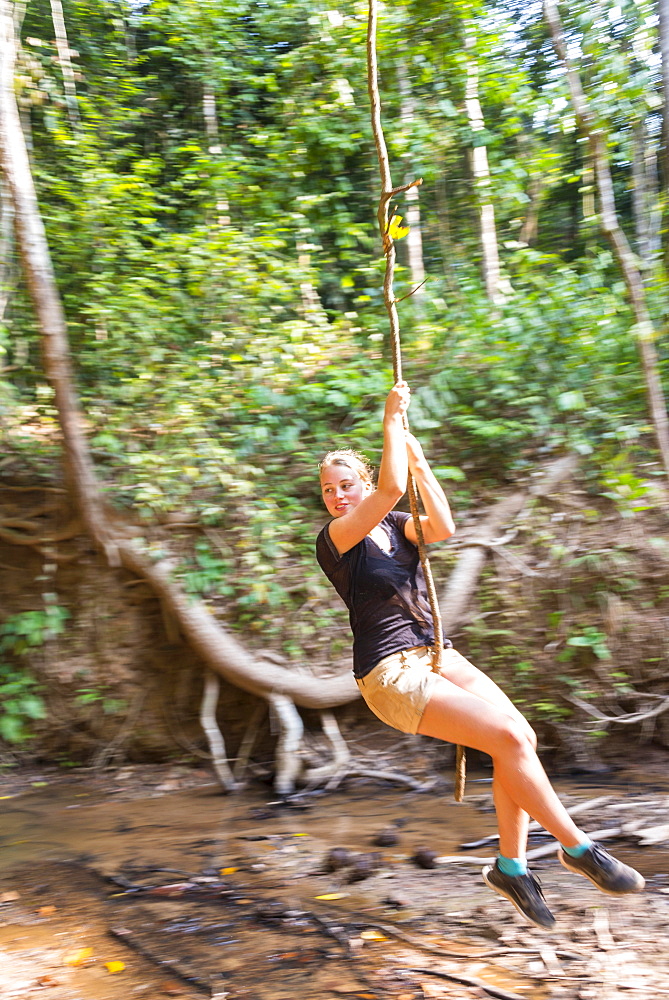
399, 687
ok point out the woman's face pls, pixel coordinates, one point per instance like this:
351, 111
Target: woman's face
342, 489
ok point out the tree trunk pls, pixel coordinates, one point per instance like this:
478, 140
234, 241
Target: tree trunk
587, 190
65, 61
219, 650
31, 239
481, 171
645, 201
6, 245
530, 227
663, 10
213, 138
644, 329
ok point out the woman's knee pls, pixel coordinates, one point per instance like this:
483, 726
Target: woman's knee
516, 736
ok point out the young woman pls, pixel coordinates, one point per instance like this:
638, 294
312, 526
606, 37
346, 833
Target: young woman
368, 552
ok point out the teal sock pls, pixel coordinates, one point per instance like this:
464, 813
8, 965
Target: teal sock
579, 850
512, 866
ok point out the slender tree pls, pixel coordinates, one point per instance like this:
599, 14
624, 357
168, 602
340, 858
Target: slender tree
610, 223
65, 61
38, 269
481, 172
663, 10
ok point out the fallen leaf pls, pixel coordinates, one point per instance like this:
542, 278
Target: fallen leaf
114, 966
229, 871
78, 957
332, 895
46, 911
170, 988
372, 935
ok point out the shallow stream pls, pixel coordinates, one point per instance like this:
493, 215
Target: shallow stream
199, 894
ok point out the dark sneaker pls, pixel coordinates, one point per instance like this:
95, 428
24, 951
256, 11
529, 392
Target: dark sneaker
604, 871
524, 892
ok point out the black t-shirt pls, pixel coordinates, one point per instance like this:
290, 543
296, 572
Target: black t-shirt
385, 593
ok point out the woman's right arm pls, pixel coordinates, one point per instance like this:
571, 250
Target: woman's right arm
350, 529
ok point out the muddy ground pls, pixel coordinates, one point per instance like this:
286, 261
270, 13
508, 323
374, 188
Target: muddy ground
146, 882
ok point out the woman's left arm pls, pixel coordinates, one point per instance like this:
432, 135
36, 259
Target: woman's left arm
437, 521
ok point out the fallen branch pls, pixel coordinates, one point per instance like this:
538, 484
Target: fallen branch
356, 771
581, 807
607, 833
432, 949
627, 719
463, 580
130, 939
480, 984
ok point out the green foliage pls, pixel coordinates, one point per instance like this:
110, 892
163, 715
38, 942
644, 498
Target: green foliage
630, 494
211, 222
97, 696
20, 700
591, 639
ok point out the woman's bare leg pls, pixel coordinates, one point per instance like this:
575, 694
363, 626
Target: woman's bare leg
513, 822
457, 716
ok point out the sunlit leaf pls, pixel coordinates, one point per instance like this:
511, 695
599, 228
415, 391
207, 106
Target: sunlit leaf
396, 229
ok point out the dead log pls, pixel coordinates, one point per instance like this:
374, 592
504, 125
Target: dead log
463, 581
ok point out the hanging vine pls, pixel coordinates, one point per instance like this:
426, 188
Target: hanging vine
388, 192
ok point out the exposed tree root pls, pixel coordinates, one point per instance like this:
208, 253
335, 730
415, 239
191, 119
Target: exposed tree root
212, 687
338, 765
291, 730
8, 534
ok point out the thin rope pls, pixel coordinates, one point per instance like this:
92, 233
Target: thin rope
387, 193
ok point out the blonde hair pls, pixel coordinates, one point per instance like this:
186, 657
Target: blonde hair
351, 460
